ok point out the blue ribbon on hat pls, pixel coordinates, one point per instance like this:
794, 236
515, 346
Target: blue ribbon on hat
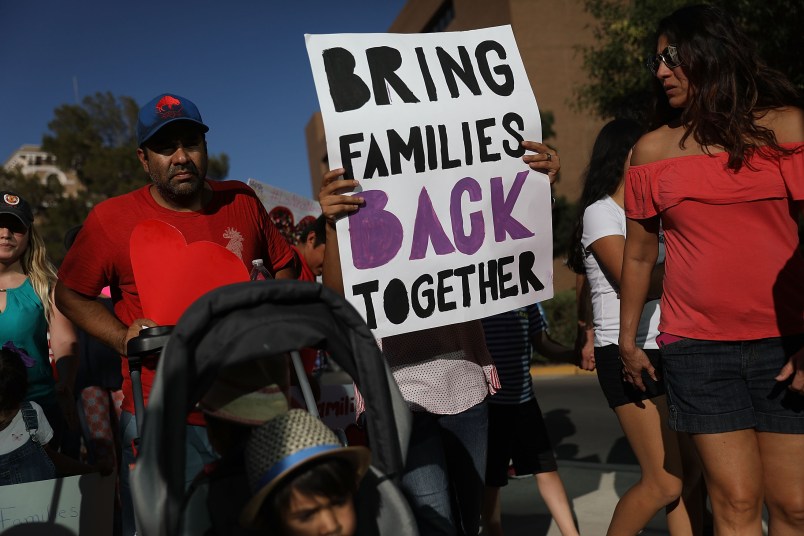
27, 360
288, 462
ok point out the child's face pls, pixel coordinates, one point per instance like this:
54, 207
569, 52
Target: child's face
315, 515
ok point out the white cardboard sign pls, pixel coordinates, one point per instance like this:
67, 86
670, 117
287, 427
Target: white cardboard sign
455, 226
291, 213
336, 405
77, 505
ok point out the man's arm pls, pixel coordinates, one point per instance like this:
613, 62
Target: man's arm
91, 316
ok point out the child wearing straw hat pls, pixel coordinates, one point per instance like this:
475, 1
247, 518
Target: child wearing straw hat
302, 479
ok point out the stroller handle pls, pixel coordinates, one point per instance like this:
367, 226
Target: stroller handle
151, 340
148, 343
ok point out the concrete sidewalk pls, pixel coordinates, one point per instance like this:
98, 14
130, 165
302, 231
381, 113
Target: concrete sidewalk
593, 489
557, 369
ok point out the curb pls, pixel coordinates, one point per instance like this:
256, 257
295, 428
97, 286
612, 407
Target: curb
600, 467
558, 370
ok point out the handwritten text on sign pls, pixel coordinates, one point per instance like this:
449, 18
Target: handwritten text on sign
455, 226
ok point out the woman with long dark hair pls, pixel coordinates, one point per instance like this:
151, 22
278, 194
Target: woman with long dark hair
597, 251
725, 175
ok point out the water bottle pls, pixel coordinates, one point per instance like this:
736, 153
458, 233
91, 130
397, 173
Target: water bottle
259, 271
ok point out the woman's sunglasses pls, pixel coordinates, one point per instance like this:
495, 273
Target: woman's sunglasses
669, 56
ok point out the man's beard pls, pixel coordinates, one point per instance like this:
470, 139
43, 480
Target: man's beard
183, 193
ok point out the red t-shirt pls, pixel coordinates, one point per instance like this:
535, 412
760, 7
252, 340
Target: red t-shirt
733, 270
234, 218
308, 355
305, 274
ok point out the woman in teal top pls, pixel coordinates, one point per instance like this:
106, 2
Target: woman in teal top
27, 312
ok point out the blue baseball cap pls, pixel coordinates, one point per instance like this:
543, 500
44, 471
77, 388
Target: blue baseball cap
163, 109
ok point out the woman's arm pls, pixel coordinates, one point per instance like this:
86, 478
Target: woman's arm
585, 337
335, 205
64, 344
609, 251
639, 259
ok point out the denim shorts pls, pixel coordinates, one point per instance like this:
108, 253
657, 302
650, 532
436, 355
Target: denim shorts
619, 392
723, 386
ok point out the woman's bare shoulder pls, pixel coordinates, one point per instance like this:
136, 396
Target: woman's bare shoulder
787, 124
656, 145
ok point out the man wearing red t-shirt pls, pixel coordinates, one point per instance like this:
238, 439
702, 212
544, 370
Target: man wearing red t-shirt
173, 152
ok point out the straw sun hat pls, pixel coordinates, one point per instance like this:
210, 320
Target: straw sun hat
285, 443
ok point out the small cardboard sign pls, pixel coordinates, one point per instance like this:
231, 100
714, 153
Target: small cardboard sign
77, 505
336, 405
291, 213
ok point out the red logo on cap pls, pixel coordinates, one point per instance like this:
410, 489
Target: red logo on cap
12, 200
168, 107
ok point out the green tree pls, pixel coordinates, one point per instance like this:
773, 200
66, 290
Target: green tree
563, 217
98, 139
563, 209
218, 167
617, 83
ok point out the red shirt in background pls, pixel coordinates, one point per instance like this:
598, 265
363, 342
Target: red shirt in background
308, 355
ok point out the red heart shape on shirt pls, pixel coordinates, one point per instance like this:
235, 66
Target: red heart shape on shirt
171, 274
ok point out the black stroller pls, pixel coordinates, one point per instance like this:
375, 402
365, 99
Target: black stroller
251, 321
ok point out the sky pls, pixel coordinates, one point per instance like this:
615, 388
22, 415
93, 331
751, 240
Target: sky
242, 62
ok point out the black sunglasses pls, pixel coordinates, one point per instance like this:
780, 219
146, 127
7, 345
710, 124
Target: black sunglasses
669, 56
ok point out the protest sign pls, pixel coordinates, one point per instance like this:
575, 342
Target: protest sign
73, 505
455, 226
336, 404
291, 213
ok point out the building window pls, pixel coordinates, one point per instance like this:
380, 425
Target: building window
442, 18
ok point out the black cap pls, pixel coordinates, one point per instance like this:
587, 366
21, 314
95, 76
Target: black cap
11, 203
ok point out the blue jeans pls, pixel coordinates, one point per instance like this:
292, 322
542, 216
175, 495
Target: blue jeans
445, 470
198, 453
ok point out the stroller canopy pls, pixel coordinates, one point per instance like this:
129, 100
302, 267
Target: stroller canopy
238, 323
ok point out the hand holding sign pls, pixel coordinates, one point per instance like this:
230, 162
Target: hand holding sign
334, 204
545, 159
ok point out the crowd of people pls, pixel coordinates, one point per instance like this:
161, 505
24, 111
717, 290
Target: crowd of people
690, 307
